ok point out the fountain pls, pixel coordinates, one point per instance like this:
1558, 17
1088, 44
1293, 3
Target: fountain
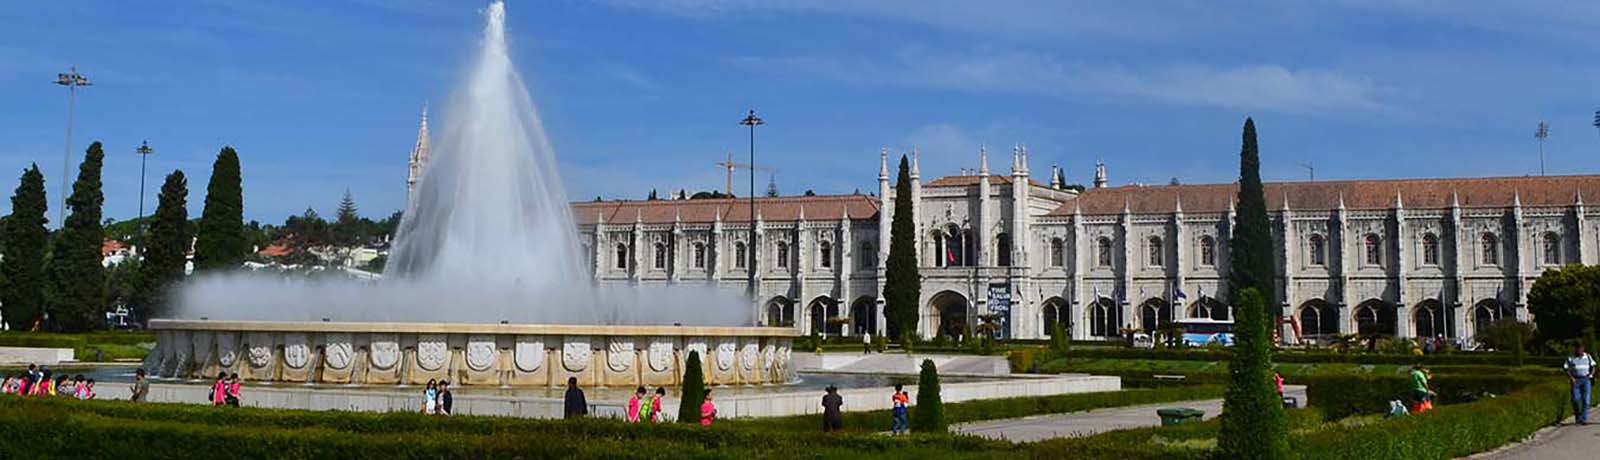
485, 284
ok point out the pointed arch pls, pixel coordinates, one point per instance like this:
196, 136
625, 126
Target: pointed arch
780, 312
1056, 310
1374, 317
1318, 319
1428, 319
1103, 318
948, 310
864, 315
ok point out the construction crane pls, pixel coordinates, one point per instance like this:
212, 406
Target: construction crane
729, 165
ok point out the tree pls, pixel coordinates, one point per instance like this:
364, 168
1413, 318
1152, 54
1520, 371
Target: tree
1565, 304
929, 416
164, 260
348, 228
1253, 422
220, 240
77, 274
903, 286
1250, 251
694, 389
24, 251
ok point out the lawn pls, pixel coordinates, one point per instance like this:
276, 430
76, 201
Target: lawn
91, 346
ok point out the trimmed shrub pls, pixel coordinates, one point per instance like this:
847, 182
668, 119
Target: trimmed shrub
694, 390
1341, 396
1253, 425
928, 416
1021, 360
1447, 432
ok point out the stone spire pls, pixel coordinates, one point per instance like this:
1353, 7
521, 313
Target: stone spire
916, 172
419, 153
1100, 179
883, 163
983, 160
1455, 199
1341, 202
1055, 177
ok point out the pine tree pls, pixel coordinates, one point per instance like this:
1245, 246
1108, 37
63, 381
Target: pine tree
24, 251
220, 243
347, 227
1250, 251
77, 276
164, 262
903, 286
929, 414
1253, 423
694, 390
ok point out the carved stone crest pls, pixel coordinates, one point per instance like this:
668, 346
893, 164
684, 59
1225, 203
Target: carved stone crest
725, 354
767, 353
747, 356
260, 349
385, 351
480, 352
227, 348
432, 352
530, 353
295, 351
619, 354
575, 354
338, 352
660, 355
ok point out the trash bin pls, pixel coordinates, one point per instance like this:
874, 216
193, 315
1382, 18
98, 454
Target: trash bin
1179, 415
1291, 402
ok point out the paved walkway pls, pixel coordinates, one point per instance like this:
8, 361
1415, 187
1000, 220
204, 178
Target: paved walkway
1092, 422
1567, 441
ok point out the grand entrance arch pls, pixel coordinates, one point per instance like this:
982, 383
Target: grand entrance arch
821, 309
1318, 319
780, 312
1153, 313
1486, 312
1374, 317
1056, 311
949, 312
864, 316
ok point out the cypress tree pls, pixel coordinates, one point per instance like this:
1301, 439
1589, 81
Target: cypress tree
1250, 251
23, 262
77, 276
929, 414
347, 225
164, 253
1253, 422
694, 390
220, 243
903, 286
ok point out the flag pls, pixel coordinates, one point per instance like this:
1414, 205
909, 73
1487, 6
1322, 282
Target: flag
1177, 292
949, 256
1202, 292
1097, 294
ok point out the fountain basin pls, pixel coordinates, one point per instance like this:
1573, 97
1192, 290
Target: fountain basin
372, 353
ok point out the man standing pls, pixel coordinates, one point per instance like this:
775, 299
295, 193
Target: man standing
1580, 373
447, 401
577, 405
832, 418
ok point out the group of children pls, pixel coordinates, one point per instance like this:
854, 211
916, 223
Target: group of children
225, 391
646, 407
37, 381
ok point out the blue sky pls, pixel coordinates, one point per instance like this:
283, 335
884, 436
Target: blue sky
322, 95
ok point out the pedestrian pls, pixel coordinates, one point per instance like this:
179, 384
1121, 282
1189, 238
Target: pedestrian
708, 411
866, 342
5, 386
430, 397
140, 387
635, 404
447, 401
899, 400
232, 398
832, 418
79, 388
88, 389
28, 379
1580, 373
1420, 391
219, 390
576, 405
60, 388
1278, 379
655, 404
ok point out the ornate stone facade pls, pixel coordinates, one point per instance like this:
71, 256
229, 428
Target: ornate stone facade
1411, 258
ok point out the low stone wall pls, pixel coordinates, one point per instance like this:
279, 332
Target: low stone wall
467, 354
728, 406
24, 355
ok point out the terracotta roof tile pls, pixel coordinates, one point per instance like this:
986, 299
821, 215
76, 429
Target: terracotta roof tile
1357, 194
961, 181
826, 207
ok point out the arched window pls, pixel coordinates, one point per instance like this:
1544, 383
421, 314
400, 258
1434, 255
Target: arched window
1430, 249
783, 255
661, 256
825, 255
699, 255
740, 257
1490, 249
1318, 248
622, 256
1208, 251
868, 257
1155, 249
1103, 252
1374, 249
1002, 249
1552, 248
1057, 252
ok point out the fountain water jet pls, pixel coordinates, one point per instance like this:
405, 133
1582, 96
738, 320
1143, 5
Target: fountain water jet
487, 238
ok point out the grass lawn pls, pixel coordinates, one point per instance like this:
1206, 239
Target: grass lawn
105, 345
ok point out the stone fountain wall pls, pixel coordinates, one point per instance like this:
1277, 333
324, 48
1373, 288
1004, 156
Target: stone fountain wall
467, 354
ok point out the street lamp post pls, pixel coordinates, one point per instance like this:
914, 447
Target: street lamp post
752, 121
72, 80
1541, 133
144, 151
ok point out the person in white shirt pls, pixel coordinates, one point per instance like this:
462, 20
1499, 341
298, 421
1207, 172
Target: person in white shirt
1580, 373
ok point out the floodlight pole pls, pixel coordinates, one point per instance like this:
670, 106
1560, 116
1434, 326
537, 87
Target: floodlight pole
753, 121
1541, 133
72, 80
144, 152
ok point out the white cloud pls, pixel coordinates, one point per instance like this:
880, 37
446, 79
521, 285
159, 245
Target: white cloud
1266, 87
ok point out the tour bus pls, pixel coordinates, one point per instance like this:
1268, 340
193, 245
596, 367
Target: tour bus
1199, 332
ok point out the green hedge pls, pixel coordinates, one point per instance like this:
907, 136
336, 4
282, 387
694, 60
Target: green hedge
1449, 431
1224, 354
995, 409
1340, 396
